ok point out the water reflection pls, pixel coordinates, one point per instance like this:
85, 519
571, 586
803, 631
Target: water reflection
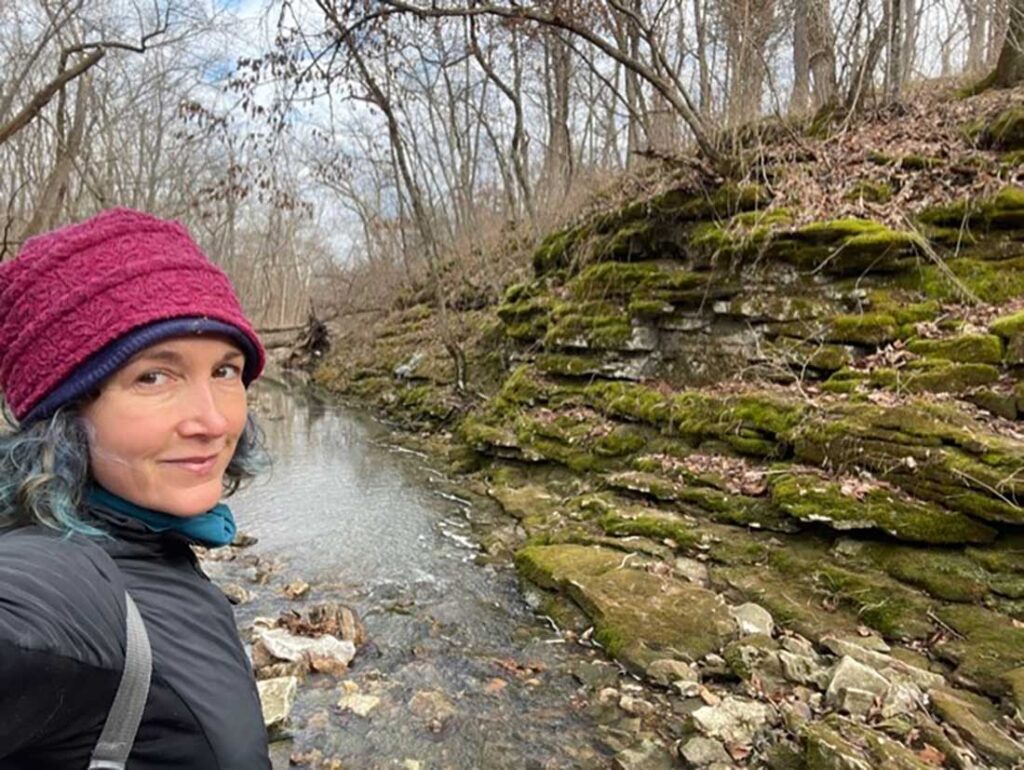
363, 525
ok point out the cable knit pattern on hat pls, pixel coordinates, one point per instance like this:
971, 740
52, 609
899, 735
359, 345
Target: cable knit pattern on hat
72, 291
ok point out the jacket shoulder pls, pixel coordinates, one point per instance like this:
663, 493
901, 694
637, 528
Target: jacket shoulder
62, 596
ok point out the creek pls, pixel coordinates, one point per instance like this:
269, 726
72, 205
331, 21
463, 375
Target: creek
466, 675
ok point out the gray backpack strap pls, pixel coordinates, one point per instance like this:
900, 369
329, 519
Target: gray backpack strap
115, 743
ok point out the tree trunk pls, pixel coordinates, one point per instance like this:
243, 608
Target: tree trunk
558, 157
801, 96
1010, 67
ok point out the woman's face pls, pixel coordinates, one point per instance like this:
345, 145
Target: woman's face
165, 425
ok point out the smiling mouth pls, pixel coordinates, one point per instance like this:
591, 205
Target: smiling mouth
200, 465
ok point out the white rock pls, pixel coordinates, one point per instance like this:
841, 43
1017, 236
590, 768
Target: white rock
359, 704
693, 570
286, 646
667, 670
701, 751
850, 674
901, 698
733, 720
803, 669
276, 699
798, 646
752, 619
636, 706
854, 701
891, 668
687, 689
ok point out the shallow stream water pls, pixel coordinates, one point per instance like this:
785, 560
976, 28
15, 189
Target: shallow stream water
466, 676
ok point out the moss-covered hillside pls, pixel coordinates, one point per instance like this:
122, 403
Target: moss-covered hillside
708, 400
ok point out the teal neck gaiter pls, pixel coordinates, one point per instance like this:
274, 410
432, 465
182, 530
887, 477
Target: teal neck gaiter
212, 529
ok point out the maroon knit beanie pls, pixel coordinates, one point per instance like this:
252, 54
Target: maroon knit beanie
77, 302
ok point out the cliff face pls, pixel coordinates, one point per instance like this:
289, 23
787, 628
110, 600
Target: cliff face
705, 401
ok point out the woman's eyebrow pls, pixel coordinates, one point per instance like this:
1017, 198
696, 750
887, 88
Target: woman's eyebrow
173, 357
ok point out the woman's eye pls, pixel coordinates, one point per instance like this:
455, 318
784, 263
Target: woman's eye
228, 371
152, 378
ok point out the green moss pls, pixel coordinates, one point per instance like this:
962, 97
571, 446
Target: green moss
639, 617
992, 282
567, 365
609, 332
842, 744
871, 191
522, 387
511, 312
1005, 556
991, 648
1008, 325
554, 251
946, 574
966, 348
618, 279
934, 451
919, 162
868, 329
1004, 210
1006, 132
720, 203
948, 378
623, 440
810, 498
880, 158
657, 526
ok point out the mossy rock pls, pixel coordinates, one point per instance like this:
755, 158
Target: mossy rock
659, 525
555, 251
792, 604
936, 376
703, 501
871, 191
1006, 131
836, 743
739, 239
1004, 210
601, 331
966, 348
919, 162
866, 329
878, 601
991, 647
718, 204
639, 617
1008, 326
847, 247
783, 307
947, 574
976, 720
800, 355
933, 451
606, 280
991, 282
810, 498
1005, 556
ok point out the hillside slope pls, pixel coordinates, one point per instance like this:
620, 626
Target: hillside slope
765, 437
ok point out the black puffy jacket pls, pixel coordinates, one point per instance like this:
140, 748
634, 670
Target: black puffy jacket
62, 637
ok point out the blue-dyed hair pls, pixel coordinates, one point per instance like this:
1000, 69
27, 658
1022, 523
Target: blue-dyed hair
44, 471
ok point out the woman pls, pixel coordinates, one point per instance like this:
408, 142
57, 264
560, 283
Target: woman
125, 358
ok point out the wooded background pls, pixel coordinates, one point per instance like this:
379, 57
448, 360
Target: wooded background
341, 152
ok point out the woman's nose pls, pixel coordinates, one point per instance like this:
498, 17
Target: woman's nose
203, 414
